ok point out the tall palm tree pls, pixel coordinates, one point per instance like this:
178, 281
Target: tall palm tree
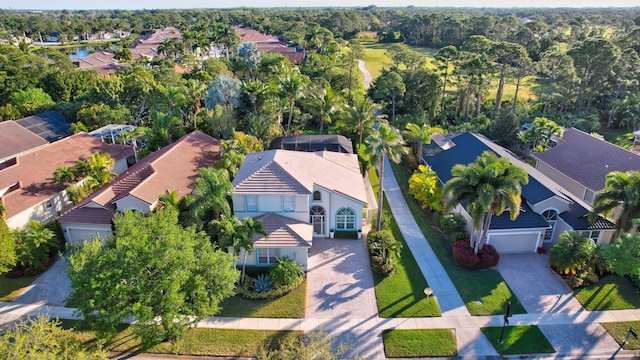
134, 135
249, 228
324, 104
196, 91
489, 186
291, 86
209, 197
170, 200
385, 141
362, 114
621, 190
422, 135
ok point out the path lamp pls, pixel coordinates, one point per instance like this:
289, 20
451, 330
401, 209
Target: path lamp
507, 315
428, 292
630, 332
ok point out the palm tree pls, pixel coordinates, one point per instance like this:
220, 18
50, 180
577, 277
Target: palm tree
324, 104
170, 200
133, 135
209, 197
362, 114
621, 190
249, 228
64, 175
231, 162
196, 91
291, 85
489, 186
385, 141
422, 135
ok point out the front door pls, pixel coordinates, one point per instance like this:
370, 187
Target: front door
316, 215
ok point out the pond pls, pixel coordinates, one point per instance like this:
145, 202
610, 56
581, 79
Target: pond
78, 52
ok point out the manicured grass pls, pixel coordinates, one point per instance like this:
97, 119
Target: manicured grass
11, 288
375, 59
620, 137
618, 331
419, 343
402, 294
612, 292
291, 305
526, 339
196, 341
484, 292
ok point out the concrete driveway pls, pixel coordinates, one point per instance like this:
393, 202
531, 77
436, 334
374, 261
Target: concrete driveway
340, 284
540, 290
537, 287
50, 288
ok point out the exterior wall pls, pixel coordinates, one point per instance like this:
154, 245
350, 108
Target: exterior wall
335, 203
606, 236
514, 241
132, 203
554, 203
561, 227
272, 203
120, 166
561, 179
299, 254
75, 234
43, 212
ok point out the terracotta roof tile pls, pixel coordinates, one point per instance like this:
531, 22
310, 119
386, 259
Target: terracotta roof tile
174, 167
296, 172
34, 170
283, 232
15, 139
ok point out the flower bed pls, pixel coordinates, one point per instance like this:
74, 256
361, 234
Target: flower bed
246, 292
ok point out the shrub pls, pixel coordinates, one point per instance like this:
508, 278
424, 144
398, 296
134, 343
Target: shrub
383, 248
464, 256
286, 272
35, 244
262, 283
410, 162
454, 225
246, 293
571, 253
488, 257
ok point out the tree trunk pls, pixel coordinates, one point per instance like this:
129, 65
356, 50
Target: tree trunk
485, 229
290, 117
393, 106
444, 88
613, 104
350, 80
380, 193
244, 262
515, 97
500, 87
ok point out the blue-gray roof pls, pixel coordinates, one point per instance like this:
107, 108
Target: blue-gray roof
468, 147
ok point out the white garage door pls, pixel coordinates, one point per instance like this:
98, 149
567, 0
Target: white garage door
78, 236
514, 243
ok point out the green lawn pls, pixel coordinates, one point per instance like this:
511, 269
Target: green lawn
291, 305
11, 288
196, 341
618, 331
419, 343
526, 339
484, 292
620, 137
612, 292
375, 59
402, 294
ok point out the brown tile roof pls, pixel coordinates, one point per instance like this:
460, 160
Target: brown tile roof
283, 232
15, 139
295, 172
587, 159
34, 170
174, 167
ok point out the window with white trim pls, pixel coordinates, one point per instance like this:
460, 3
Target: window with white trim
345, 219
590, 234
268, 256
588, 196
552, 217
252, 203
288, 203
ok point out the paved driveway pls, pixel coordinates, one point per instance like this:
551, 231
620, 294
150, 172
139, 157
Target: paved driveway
340, 284
537, 287
50, 288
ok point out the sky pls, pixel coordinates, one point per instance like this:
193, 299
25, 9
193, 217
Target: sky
172, 4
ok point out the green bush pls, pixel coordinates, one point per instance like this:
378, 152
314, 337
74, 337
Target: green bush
246, 292
383, 249
35, 244
286, 272
454, 225
571, 253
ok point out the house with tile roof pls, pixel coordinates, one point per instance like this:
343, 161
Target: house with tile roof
174, 167
298, 196
27, 187
580, 163
547, 208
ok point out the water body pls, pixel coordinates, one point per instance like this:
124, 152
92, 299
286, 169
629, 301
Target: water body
78, 52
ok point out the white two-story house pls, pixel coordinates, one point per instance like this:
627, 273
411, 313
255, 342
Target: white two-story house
298, 196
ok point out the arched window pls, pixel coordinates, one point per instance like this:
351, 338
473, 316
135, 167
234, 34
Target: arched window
552, 217
345, 219
317, 196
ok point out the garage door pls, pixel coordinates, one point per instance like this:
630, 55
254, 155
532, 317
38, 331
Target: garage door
514, 243
78, 236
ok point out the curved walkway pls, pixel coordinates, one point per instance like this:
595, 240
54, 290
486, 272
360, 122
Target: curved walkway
366, 73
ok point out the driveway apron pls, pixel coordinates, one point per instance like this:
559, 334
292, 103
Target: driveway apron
50, 288
340, 295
